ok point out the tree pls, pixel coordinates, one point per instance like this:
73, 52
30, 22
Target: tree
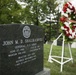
37, 10
10, 12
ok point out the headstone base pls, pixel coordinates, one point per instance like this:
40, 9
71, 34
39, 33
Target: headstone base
45, 71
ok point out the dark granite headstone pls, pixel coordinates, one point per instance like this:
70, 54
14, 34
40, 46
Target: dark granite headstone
21, 49
59, 42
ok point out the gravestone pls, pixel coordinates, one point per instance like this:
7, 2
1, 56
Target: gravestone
21, 49
73, 45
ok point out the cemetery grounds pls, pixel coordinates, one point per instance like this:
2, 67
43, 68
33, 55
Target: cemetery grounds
68, 68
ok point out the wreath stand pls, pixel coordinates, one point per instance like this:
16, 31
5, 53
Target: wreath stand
62, 62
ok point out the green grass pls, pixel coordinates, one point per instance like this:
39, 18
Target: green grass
68, 68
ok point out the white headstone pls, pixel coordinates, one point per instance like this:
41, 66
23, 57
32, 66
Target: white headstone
73, 45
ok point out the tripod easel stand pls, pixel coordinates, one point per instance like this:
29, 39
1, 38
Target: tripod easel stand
62, 62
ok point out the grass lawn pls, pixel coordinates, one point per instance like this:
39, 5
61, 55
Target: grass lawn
68, 68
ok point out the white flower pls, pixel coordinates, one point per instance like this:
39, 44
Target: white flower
73, 34
69, 22
66, 23
69, 5
68, 11
70, 31
70, 37
62, 27
64, 14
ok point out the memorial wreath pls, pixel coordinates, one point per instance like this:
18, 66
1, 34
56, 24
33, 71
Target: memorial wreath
67, 26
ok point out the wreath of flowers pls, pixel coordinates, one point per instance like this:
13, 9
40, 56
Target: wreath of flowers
68, 27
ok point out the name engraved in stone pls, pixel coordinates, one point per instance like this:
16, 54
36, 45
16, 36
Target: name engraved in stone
16, 42
7, 43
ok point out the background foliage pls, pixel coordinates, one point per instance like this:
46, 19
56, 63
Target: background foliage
35, 12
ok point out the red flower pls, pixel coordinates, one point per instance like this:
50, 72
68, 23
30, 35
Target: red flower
69, 3
67, 28
62, 19
73, 9
68, 34
73, 27
65, 7
73, 30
